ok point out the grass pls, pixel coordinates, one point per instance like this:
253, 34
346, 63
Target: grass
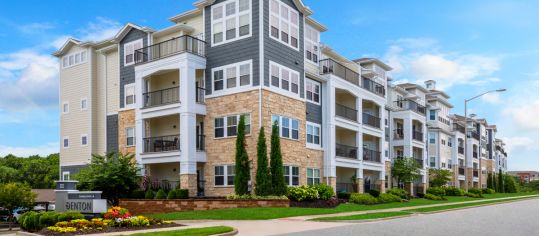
274, 213
368, 216
442, 208
191, 232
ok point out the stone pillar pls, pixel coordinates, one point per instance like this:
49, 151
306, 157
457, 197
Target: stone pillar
409, 187
189, 182
382, 184
331, 181
360, 185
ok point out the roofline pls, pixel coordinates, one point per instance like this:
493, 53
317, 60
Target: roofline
317, 25
180, 17
375, 61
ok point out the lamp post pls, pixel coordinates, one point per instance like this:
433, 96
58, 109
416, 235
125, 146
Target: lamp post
466, 131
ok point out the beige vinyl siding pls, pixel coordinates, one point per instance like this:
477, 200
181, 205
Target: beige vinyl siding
113, 82
74, 85
99, 105
195, 22
311, 68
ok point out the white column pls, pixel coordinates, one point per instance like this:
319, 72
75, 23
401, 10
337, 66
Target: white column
187, 119
139, 122
407, 137
329, 154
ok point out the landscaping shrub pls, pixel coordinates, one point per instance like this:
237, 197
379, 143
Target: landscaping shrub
488, 191
363, 198
172, 194
182, 193
161, 194
70, 215
48, 219
433, 197
374, 192
399, 192
254, 197
343, 195
302, 193
325, 192
149, 194
454, 191
475, 191
30, 221
473, 195
386, 197
420, 195
138, 194
438, 191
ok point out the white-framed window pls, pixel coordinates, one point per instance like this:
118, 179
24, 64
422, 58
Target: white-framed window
84, 140
66, 142
233, 76
224, 175
227, 126
432, 115
312, 39
129, 95
230, 21
74, 59
288, 127
312, 91
129, 51
65, 107
291, 175
284, 78
65, 175
83, 104
432, 162
313, 135
130, 136
450, 142
432, 138
313, 176
443, 141
284, 24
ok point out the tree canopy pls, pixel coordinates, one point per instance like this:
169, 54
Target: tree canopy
14, 195
439, 177
38, 172
405, 169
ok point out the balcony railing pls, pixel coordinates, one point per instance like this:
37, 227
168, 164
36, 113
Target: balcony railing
461, 150
475, 173
346, 187
474, 135
371, 120
398, 134
420, 162
162, 144
475, 155
417, 135
171, 47
346, 112
461, 170
201, 142
329, 66
412, 106
368, 187
373, 87
457, 127
201, 95
162, 97
371, 155
346, 151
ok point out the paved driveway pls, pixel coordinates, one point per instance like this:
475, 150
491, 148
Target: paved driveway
516, 218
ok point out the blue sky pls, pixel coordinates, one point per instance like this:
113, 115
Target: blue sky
467, 46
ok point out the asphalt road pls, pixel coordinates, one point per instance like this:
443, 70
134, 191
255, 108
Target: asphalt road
516, 218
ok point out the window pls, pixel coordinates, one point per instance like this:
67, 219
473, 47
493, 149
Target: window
84, 140
129, 51
65, 107
84, 104
228, 126
224, 175
449, 164
443, 141
65, 175
313, 176
284, 78
400, 101
130, 136
237, 75
432, 138
129, 95
312, 91
74, 59
312, 39
66, 142
231, 21
284, 24
291, 175
313, 134
432, 162
289, 128
432, 115
450, 142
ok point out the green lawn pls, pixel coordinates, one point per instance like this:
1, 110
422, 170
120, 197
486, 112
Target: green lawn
191, 232
367, 216
441, 208
273, 213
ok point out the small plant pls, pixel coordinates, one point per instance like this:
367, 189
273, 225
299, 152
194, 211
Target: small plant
70, 215
433, 197
161, 194
399, 192
438, 191
344, 195
454, 191
374, 192
473, 195
172, 194
386, 197
138, 194
48, 218
302, 193
182, 193
487, 191
363, 198
475, 191
325, 192
149, 194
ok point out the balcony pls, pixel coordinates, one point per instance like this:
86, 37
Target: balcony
183, 44
412, 106
459, 128
201, 142
461, 170
329, 66
346, 112
342, 150
420, 162
475, 173
346, 187
461, 150
201, 95
475, 155
162, 144
371, 120
417, 135
161, 97
371, 155
474, 135
373, 87
398, 134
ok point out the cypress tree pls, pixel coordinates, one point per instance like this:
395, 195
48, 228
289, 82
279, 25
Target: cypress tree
495, 182
241, 179
489, 180
277, 170
500, 182
263, 178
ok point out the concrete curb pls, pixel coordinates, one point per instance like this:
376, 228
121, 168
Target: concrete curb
27, 233
232, 233
365, 221
475, 206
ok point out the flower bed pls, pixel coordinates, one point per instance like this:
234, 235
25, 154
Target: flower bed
330, 203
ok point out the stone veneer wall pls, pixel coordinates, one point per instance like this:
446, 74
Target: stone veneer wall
164, 206
126, 119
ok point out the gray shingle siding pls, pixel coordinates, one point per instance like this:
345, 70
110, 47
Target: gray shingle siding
112, 133
127, 73
233, 52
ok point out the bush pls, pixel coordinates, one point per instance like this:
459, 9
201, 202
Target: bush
254, 197
48, 219
70, 215
438, 191
386, 197
343, 195
149, 194
420, 195
363, 198
325, 192
475, 191
374, 192
473, 195
182, 194
161, 194
30, 221
433, 197
487, 191
399, 192
454, 191
138, 194
172, 194
302, 193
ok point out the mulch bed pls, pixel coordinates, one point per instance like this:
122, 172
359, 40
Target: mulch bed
108, 230
331, 203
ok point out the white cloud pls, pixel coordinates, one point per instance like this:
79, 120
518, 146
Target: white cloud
35, 28
525, 115
492, 98
42, 150
101, 28
513, 143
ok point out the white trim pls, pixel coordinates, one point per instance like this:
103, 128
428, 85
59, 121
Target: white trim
130, 106
287, 21
290, 129
225, 125
87, 141
290, 176
316, 83
134, 136
63, 142
84, 99
283, 69
225, 175
315, 43
238, 87
140, 42
313, 177
63, 107
313, 145
70, 60
64, 173
235, 16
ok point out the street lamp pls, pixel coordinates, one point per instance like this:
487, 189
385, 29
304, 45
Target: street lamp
466, 131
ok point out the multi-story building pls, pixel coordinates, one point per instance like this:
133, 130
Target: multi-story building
525, 176
500, 155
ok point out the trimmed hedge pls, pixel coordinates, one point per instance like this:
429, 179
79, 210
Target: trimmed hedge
399, 192
488, 191
386, 197
149, 194
438, 191
475, 191
161, 194
182, 193
302, 193
343, 195
374, 192
33, 221
473, 195
70, 215
454, 191
363, 198
325, 192
433, 197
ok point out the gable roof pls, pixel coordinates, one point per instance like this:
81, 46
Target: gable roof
299, 4
125, 30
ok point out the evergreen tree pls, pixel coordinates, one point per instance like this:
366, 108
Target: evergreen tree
241, 178
263, 178
489, 181
500, 182
495, 182
277, 170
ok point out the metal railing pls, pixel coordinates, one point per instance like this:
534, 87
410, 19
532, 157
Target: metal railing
201, 95
474, 154
162, 97
398, 134
346, 112
346, 187
417, 135
201, 142
461, 150
412, 106
461, 170
420, 162
342, 150
371, 155
162, 144
329, 66
474, 135
171, 47
368, 187
371, 120
373, 87
457, 127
